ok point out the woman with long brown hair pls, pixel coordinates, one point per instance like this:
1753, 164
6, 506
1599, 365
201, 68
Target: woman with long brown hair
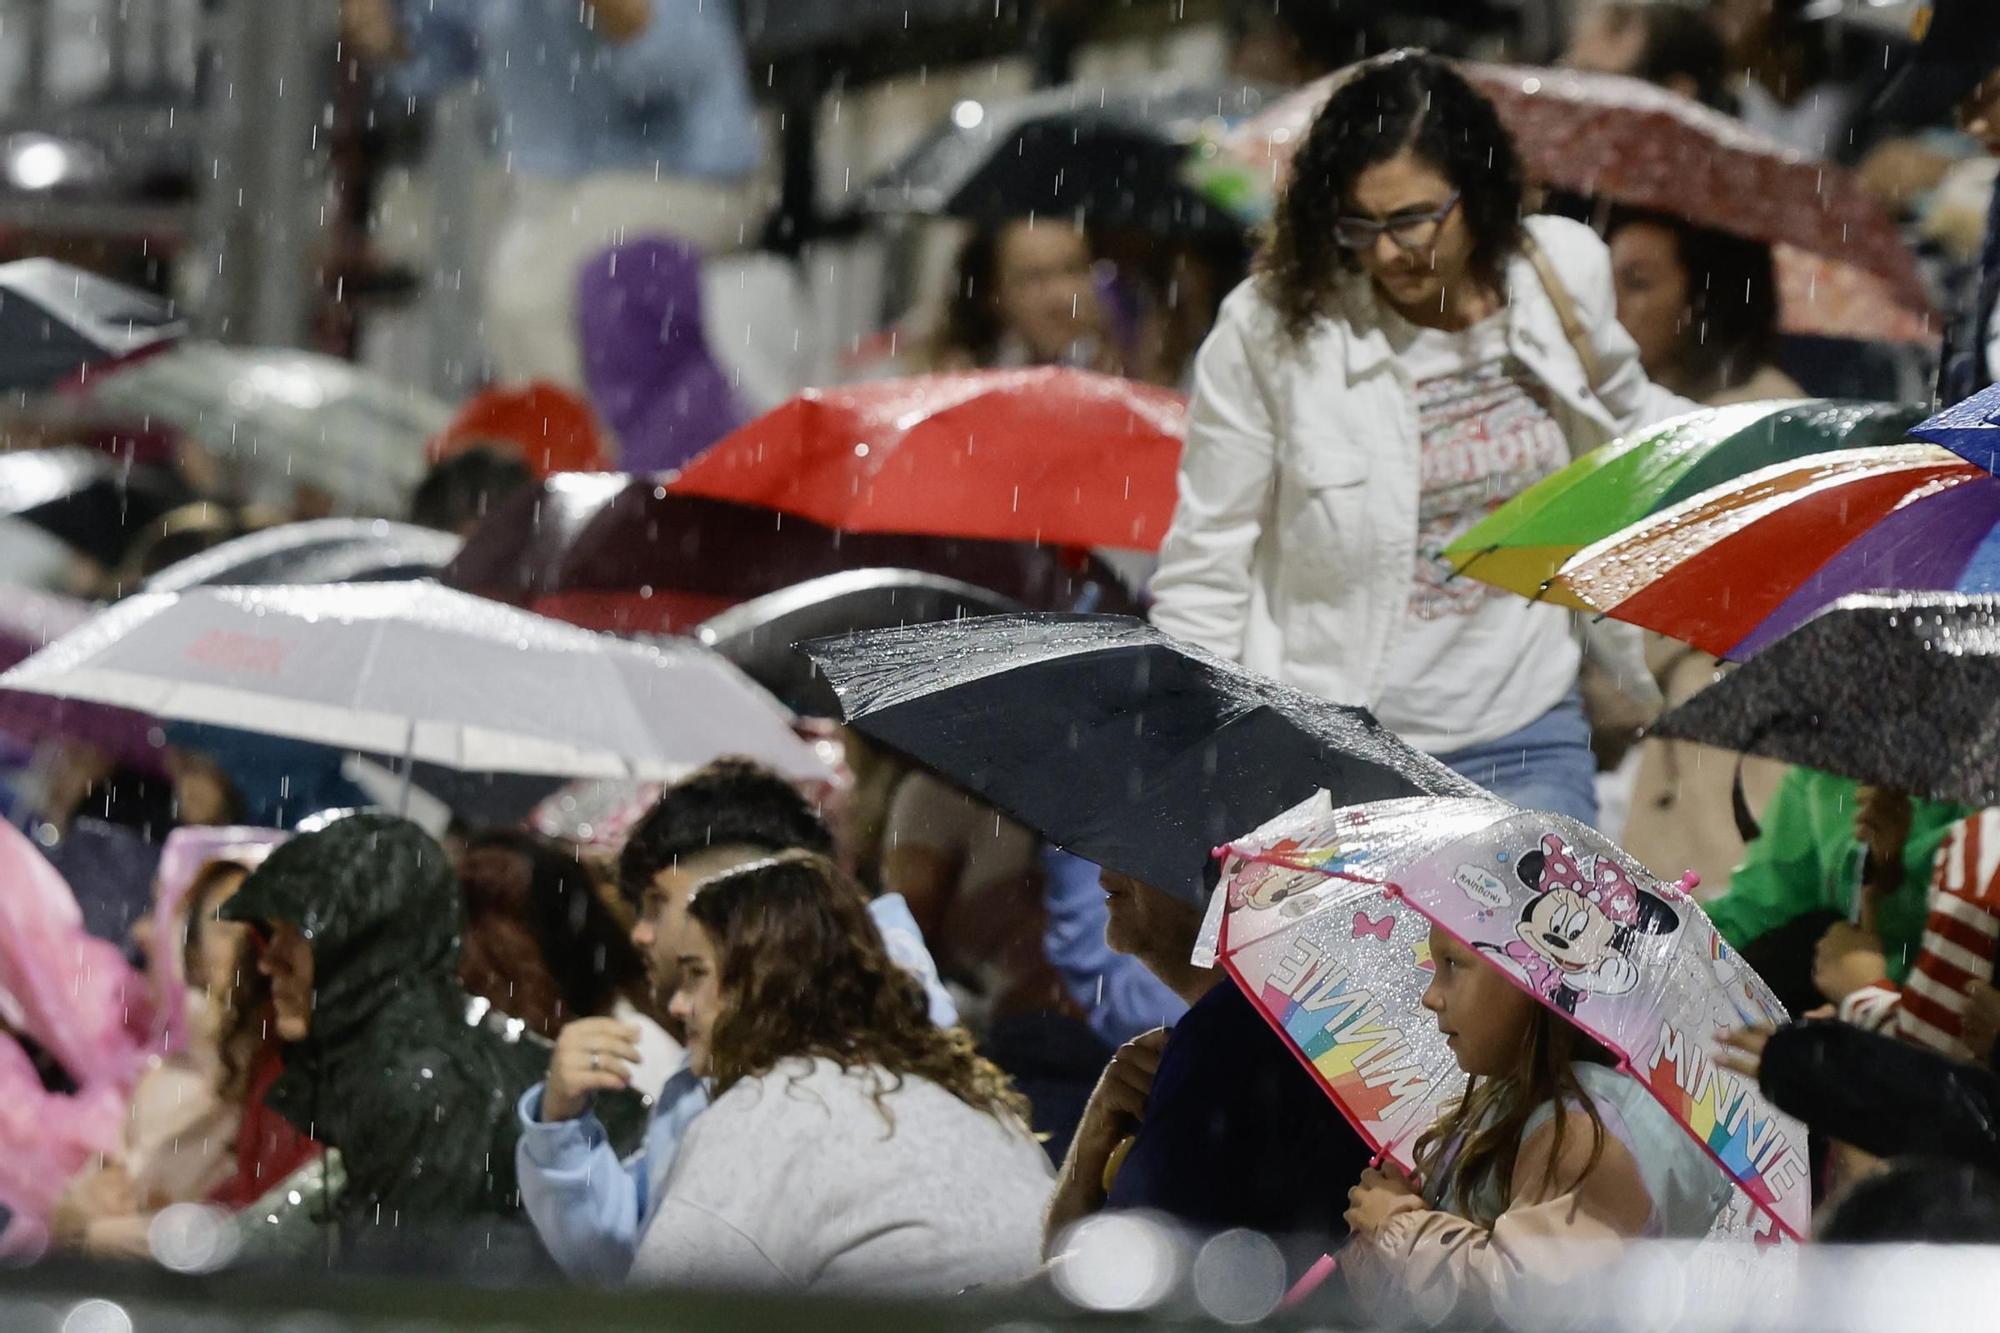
1411, 353
851, 1143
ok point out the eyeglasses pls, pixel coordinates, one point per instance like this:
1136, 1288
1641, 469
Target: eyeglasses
1411, 231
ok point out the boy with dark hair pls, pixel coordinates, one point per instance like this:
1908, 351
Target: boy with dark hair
589, 1208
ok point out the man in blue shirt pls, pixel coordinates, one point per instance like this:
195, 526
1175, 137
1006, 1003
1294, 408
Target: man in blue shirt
589, 1208
1119, 996
612, 117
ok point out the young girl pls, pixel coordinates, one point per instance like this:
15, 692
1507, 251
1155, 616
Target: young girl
851, 1142
1549, 1143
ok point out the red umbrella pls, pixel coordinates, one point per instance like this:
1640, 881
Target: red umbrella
1042, 455
618, 552
1629, 142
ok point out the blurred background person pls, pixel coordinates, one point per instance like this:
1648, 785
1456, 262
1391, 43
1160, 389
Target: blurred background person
1024, 294
539, 941
613, 115
1674, 45
1702, 305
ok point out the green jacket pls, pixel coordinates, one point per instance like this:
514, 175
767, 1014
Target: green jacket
1808, 858
419, 1102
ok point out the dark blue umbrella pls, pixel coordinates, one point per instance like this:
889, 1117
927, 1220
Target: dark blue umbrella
1970, 429
1112, 740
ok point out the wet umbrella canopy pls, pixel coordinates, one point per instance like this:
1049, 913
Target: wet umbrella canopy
1115, 161
328, 550
1898, 690
625, 553
1524, 543
1112, 740
88, 499
57, 320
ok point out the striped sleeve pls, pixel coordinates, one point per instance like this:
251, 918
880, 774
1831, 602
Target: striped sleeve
1959, 937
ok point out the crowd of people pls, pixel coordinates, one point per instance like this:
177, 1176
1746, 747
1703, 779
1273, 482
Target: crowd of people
879, 1036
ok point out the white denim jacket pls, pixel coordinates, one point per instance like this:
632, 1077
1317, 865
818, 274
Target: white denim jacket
1294, 539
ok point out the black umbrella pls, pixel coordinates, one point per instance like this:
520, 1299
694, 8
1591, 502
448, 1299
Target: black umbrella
1899, 690
758, 635
86, 498
1112, 740
326, 550
57, 320
1115, 160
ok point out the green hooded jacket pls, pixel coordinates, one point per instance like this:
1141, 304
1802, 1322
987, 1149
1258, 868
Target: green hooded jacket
1808, 859
418, 1100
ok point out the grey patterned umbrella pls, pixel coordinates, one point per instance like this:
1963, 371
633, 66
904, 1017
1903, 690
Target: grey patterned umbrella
1900, 690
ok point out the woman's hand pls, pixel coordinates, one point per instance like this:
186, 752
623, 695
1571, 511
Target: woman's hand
1381, 1194
1115, 1110
1846, 959
591, 1055
1742, 1050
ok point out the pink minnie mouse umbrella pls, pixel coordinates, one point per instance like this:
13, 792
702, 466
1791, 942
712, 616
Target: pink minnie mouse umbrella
1325, 923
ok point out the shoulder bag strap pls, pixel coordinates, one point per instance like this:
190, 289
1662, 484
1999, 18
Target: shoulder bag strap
1565, 304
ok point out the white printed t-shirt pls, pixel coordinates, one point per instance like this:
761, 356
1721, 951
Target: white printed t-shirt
1473, 663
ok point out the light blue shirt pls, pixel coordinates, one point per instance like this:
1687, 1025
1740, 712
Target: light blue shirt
589, 1208
1119, 997
673, 100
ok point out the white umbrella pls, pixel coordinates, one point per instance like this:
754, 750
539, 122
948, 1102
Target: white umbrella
418, 670
277, 418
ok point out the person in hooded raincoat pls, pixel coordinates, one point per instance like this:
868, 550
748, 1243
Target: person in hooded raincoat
361, 924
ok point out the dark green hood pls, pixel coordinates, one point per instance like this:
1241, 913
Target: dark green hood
376, 899
419, 1100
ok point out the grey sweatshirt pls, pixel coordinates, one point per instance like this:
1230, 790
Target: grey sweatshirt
796, 1180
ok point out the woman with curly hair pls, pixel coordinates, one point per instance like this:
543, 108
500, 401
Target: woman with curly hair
851, 1143
1411, 352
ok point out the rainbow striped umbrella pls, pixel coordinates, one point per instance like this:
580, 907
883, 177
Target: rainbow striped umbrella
1524, 542
1324, 921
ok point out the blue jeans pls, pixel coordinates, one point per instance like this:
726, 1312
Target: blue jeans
1546, 765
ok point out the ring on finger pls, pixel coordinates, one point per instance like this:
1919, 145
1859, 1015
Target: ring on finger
593, 1059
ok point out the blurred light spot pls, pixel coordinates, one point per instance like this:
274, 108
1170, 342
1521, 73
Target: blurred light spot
191, 1238
1531, 86
1239, 1277
38, 164
861, 451
968, 115
97, 1317
1118, 1261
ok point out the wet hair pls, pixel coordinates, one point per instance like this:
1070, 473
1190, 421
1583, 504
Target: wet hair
539, 941
1479, 1139
1917, 1200
729, 803
804, 973
466, 487
1732, 286
243, 1022
199, 908
1681, 42
1407, 100
971, 326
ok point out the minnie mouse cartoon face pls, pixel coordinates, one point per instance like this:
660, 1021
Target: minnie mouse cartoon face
1573, 935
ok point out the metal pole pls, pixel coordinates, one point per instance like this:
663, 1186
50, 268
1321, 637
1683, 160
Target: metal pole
38, 41
289, 156
263, 161
453, 287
